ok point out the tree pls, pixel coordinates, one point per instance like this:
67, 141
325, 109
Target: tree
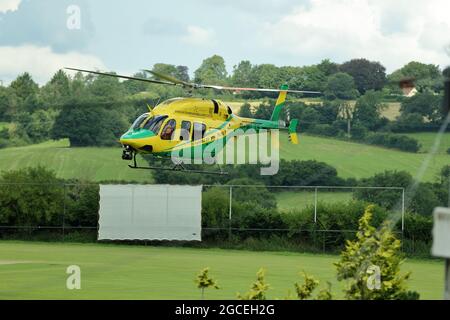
264, 110
408, 122
212, 71
266, 76
215, 208
245, 111
24, 87
428, 76
340, 86
36, 126
242, 74
56, 92
427, 104
384, 197
327, 67
25, 90
8, 104
30, 197
368, 75
368, 110
446, 72
313, 78
346, 112
182, 73
87, 122
133, 87
107, 88
164, 68
371, 264
204, 281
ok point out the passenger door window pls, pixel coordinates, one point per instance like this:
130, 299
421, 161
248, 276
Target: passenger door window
199, 131
185, 130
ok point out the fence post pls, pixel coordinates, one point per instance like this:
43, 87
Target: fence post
403, 209
315, 205
64, 213
229, 213
448, 204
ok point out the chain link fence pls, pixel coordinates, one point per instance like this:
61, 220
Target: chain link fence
298, 218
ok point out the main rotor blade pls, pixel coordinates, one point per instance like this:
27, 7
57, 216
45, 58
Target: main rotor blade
255, 89
170, 78
123, 77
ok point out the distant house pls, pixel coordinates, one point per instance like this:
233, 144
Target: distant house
408, 87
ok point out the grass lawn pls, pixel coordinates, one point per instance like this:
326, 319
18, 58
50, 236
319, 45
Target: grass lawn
30, 270
90, 163
288, 200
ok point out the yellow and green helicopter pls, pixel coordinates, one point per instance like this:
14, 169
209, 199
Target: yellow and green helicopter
186, 124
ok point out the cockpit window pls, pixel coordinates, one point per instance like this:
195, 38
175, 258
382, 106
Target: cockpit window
137, 123
154, 124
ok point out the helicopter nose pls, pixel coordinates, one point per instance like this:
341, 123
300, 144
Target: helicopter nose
138, 141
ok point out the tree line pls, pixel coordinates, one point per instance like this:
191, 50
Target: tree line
94, 110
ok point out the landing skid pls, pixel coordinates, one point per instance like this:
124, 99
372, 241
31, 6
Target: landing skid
177, 167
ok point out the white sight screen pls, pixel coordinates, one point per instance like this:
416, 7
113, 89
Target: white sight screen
150, 212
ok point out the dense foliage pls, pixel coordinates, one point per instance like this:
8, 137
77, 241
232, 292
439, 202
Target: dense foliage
373, 250
34, 197
94, 110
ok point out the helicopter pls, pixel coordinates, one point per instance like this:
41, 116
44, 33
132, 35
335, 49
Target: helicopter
186, 124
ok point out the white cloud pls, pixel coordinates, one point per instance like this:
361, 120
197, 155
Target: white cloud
393, 33
9, 5
41, 62
199, 36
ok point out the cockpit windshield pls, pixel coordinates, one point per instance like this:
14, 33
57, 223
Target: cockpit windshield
154, 124
137, 123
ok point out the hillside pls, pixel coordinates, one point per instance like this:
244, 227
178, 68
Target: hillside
360, 160
350, 159
96, 164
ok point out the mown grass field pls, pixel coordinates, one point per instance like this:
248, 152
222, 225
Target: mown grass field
97, 164
289, 200
100, 164
30, 270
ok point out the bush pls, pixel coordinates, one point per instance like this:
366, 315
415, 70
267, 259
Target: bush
389, 140
358, 132
408, 122
417, 227
341, 217
304, 173
31, 197
373, 249
324, 130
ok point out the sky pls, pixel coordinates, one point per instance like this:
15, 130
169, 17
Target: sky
42, 36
